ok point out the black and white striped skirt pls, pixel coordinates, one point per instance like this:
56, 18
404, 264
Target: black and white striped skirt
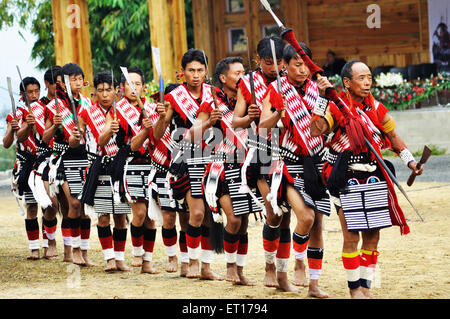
196, 169
136, 179
20, 175
104, 200
322, 205
365, 201
243, 203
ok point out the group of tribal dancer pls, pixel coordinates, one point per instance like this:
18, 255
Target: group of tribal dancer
276, 141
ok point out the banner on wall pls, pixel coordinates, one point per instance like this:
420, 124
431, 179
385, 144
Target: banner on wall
438, 20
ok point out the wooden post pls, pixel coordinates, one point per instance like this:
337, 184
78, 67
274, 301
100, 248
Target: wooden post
168, 33
203, 28
72, 39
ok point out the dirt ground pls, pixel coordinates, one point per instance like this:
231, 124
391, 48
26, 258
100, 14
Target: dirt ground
415, 266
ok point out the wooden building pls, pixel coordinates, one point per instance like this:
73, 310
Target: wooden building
221, 28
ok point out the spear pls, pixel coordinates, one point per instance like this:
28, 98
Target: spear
114, 99
27, 102
56, 95
157, 59
13, 103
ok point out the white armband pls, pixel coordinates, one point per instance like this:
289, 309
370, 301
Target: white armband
406, 157
321, 106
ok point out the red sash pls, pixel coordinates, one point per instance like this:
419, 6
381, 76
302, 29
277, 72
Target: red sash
185, 104
260, 88
95, 119
342, 144
298, 118
29, 144
129, 116
66, 114
231, 138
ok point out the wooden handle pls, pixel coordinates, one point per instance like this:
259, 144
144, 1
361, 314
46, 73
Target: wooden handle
412, 177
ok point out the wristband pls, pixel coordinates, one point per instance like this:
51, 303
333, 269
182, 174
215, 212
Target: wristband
321, 106
406, 157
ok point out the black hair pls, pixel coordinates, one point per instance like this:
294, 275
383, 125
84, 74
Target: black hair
27, 81
264, 50
194, 55
72, 69
289, 52
346, 71
170, 87
332, 53
133, 69
104, 77
224, 66
51, 75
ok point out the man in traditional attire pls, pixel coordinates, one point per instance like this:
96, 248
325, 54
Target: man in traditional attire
98, 190
25, 158
222, 177
131, 166
246, 115
187, 165
361, 189
68, 164
296, 179
34, 127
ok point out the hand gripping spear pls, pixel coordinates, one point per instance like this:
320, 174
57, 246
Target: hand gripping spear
354, 130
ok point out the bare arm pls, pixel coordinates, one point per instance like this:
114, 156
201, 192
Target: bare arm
165, 116
111, 128
204, 122
51, 128
8, 140
75, 138
240, 120
269, 119
26, 129
139, 140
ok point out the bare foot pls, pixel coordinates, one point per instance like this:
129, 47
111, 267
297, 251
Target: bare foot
357, 294
244, 281
270, 279
184, 269
121, 266
68, 258
172, 266
284, 284
87, 261
193, 270
137, 261
111, 265
367, 293
300, 274
232, 274
34, 255
315, 291
208, 274
148, 269
77, 257
51, 251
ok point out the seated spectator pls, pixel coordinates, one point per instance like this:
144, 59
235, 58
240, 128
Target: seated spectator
334, 65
